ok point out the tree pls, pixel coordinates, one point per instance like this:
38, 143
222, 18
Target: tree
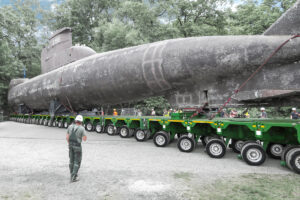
196, 18
19, 45
253, 17
82, 16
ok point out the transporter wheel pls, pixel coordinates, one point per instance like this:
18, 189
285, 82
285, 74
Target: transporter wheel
237, 145
49, 122
59, 124
141, 135
66, 124
54, 123
124, 132
89, 126
98, 128
286, 150
215, 148
41, 121
295, 162
253, 154
161, 138
275, 150
111, 129
205, 139
45, 122
289, 156
186, 144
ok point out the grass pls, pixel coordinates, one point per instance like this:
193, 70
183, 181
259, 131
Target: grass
252, 187
182, 175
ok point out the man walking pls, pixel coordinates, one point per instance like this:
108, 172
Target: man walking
294, 114
75, 135
263, 113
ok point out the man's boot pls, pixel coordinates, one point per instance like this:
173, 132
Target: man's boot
74, 178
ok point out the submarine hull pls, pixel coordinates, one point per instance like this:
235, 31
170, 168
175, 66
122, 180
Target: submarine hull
162, 68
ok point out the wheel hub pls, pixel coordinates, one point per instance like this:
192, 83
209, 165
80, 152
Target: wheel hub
89, 126
98, 128
110, 130
160, 140
254, 155
277, 149
239, 144
216, 149
186, 144
123, 132
140, 135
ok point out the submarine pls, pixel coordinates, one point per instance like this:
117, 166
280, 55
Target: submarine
187, 71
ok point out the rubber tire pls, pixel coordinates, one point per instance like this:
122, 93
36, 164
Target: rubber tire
54, 123
286, 150
234, 147
289, 156
65, 124
59, 124
114, 132
127, 132
163, 134
191, 140
213, 141
270, 154
98, 130
45, 122
91, 127
251, 146
293, 161
146, 135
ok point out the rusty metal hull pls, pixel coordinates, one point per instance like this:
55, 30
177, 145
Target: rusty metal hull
210, 66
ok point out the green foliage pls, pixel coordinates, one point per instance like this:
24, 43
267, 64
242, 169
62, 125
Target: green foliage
253, 18
158, 103
19, 46
107, 25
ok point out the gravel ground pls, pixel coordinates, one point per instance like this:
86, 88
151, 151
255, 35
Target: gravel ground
34, 165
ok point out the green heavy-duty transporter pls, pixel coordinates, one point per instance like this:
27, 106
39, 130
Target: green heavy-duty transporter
253, 139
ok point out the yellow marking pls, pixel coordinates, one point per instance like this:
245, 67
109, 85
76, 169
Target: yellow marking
206, 122
253, 126
120, 119
222, 124
263, 126
215, 124
158, 120
175, 120
107, 118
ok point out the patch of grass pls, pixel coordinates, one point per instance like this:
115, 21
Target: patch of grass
252, 187
183, 175
5, 197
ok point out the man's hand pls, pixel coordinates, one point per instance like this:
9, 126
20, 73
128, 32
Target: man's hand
67, 137
84, 138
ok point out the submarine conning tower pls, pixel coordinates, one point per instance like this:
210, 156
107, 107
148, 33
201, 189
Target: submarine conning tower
60, 51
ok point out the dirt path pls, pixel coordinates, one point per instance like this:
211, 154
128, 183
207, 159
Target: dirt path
34, 165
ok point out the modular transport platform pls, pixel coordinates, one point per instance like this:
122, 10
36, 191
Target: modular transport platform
253, 139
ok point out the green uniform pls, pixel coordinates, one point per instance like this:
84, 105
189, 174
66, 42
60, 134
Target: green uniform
75, 151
